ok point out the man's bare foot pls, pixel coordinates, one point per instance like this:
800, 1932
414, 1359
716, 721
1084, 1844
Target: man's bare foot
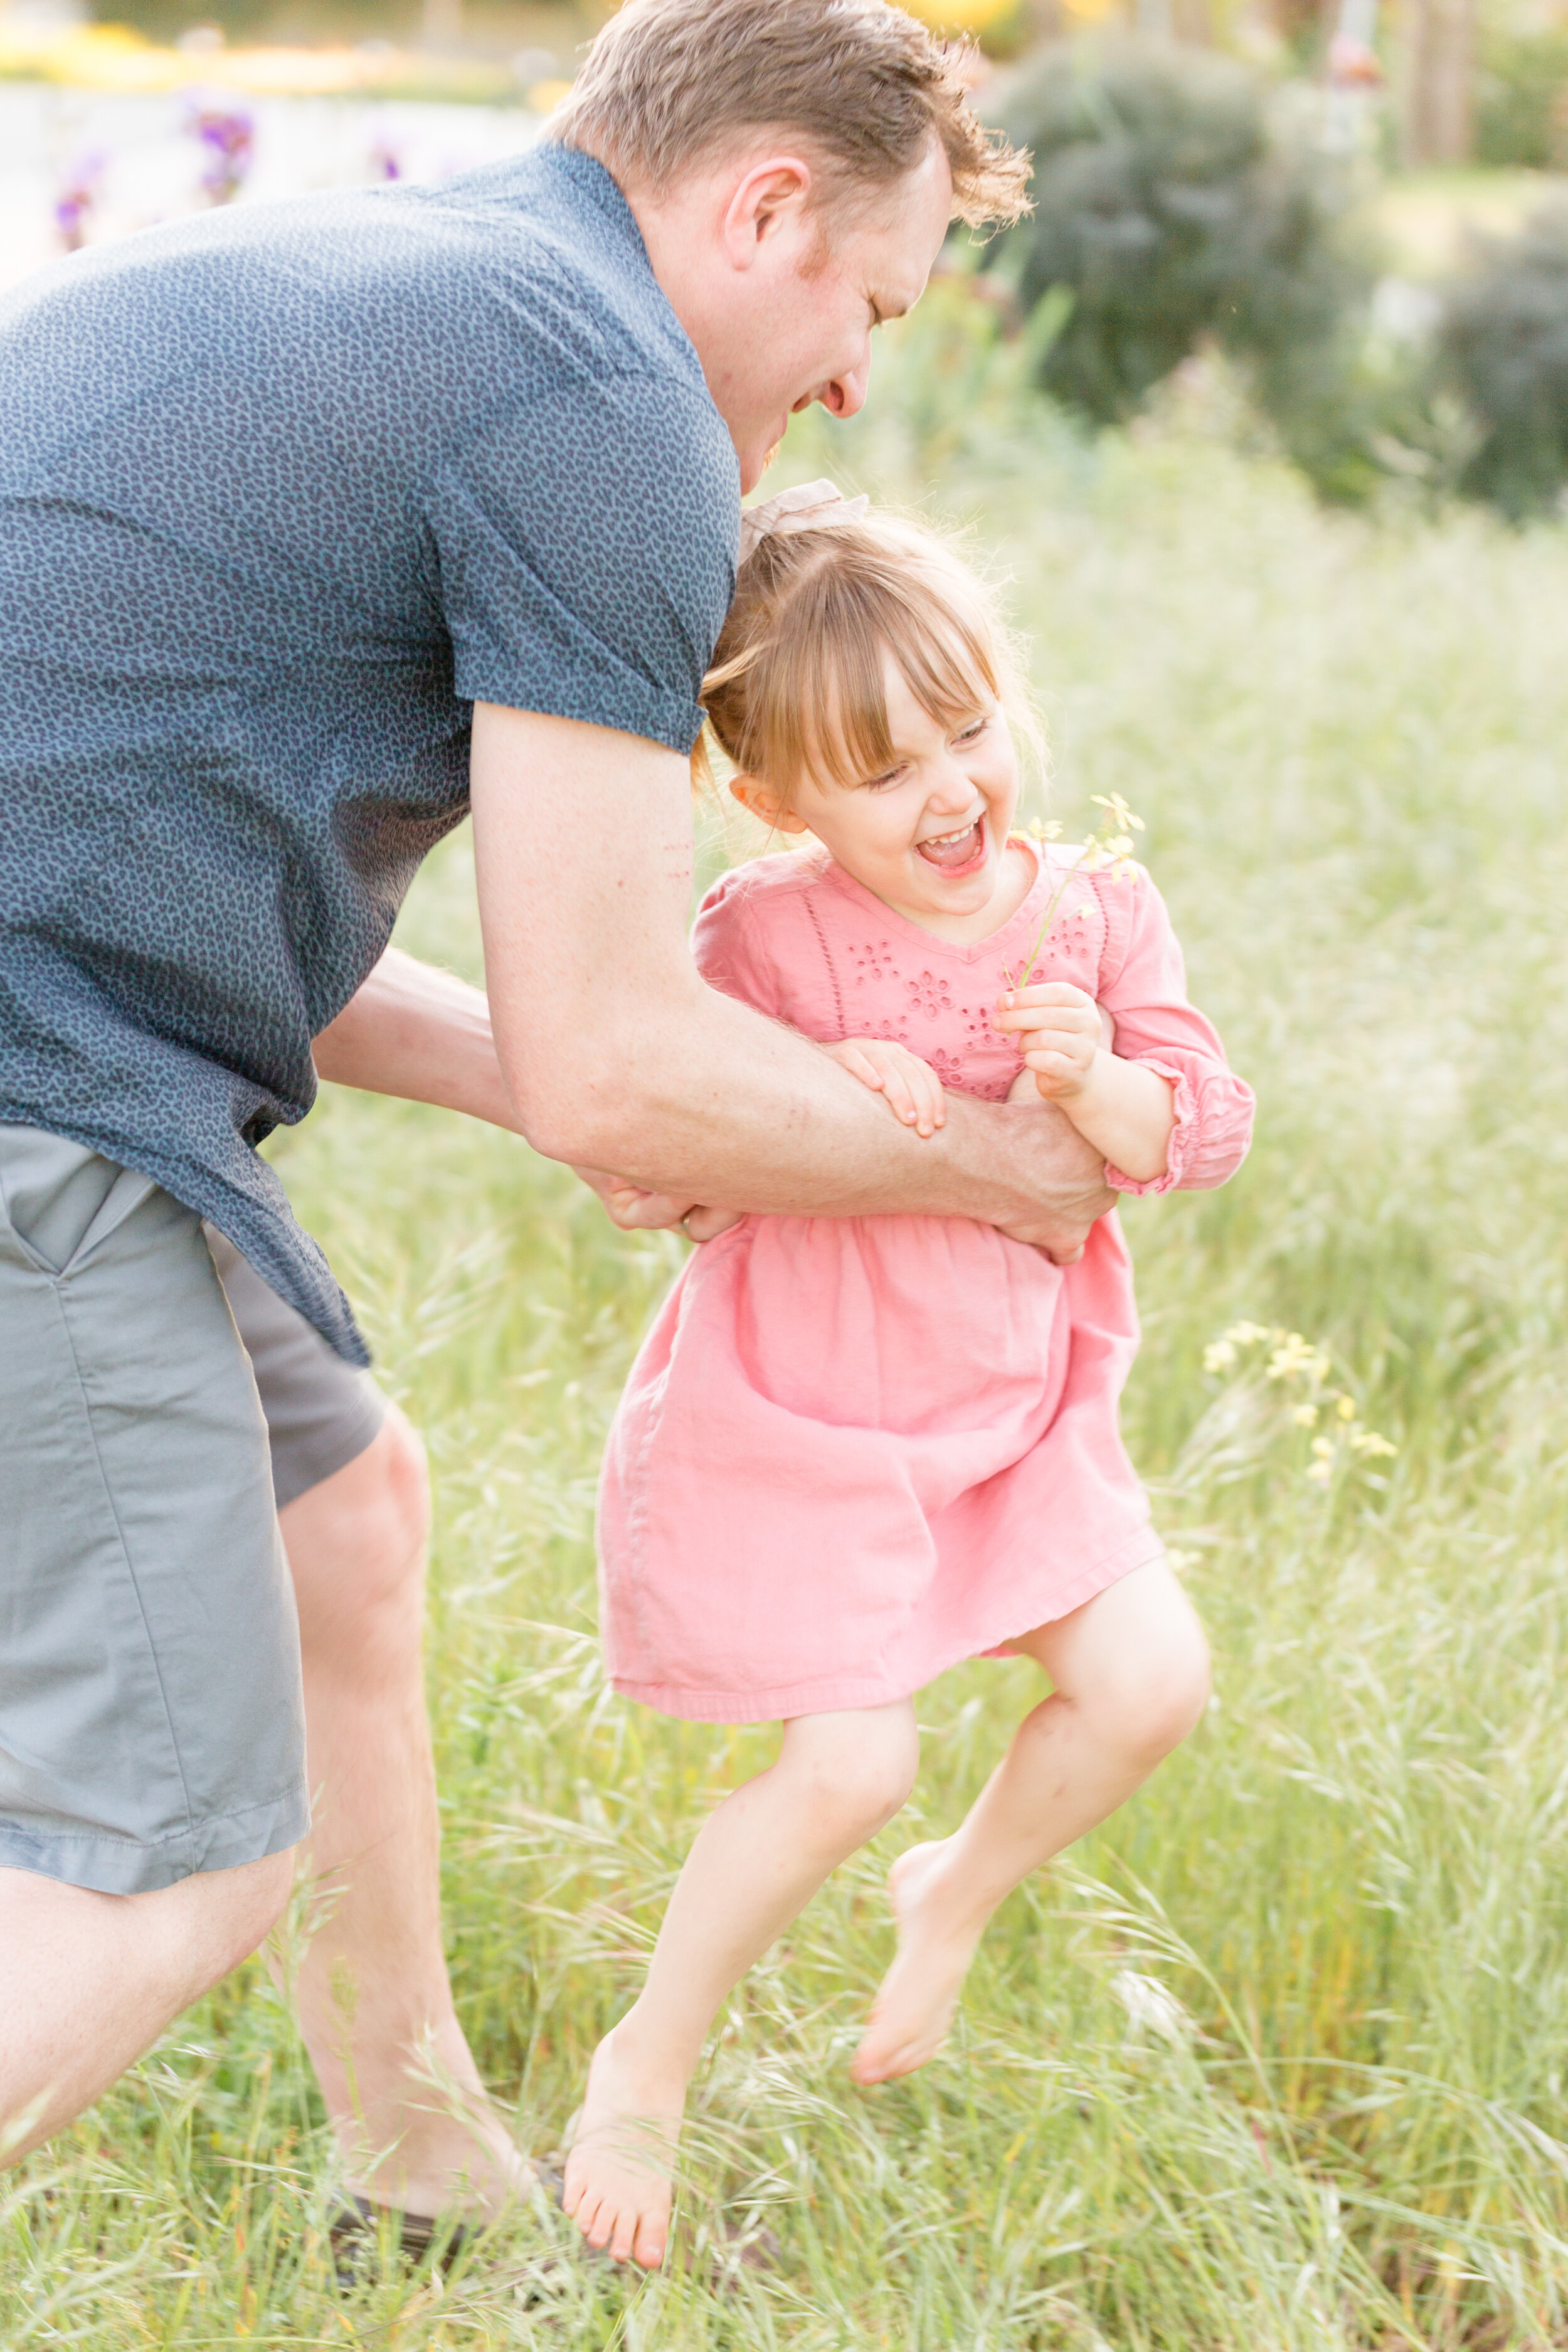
619, 2173
916, 2000
448, 2163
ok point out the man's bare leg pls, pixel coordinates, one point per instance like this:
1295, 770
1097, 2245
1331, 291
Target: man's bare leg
375, 2002
88, 1982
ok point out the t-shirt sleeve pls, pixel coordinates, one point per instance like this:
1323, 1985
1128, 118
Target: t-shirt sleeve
1143, 987
727, 946
586, 547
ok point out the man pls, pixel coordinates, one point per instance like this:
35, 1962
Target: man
318, 525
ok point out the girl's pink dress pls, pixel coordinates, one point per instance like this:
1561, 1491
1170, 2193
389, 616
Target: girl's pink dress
854, 1450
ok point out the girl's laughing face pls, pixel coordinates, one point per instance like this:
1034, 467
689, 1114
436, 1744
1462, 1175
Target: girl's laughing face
929, 834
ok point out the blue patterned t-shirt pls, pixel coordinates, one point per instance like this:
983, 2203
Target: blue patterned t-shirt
283, 492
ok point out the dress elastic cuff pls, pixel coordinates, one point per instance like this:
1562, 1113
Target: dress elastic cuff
1183, 1135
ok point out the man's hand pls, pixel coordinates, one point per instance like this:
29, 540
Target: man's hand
1084, 1197
638, 1211
912, 1089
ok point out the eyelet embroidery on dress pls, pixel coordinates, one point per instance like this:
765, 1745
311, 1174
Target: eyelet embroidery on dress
985, 1063
873, 959
929, 994
949, 1067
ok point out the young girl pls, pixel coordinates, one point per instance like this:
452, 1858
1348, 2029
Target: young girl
854, 1450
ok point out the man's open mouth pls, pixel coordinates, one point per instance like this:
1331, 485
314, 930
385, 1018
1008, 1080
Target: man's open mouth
951, 852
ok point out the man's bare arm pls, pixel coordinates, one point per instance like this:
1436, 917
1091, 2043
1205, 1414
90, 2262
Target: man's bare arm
421, 1034
617, 1055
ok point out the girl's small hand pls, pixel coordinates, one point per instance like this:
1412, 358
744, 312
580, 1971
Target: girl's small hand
912, 1087
1059, 1030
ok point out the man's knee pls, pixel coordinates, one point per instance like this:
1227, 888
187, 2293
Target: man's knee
356, 1546
393, 1496
207, 1924
399, 1500
255, 1905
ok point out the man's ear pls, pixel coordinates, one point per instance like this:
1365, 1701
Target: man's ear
773, 196
766, 807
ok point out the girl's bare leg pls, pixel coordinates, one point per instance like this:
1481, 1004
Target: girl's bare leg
838, 1778
1132, 1677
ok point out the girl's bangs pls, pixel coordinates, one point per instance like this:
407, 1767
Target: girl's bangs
943, 653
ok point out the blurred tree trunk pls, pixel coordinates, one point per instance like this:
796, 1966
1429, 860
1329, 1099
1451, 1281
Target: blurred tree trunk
1437, 81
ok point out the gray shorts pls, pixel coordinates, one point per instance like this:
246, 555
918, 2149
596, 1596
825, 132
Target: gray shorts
152, 1419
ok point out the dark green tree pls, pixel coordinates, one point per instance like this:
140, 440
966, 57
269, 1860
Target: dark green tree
1503, 347
1169, 211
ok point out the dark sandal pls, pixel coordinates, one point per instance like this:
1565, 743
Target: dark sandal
355, 2232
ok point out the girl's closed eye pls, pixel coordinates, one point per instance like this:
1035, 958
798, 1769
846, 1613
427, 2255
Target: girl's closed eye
966, 737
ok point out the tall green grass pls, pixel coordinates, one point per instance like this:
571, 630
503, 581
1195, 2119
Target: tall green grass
1278, 2060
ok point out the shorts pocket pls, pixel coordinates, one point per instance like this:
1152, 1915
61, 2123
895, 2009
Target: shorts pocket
62, 1200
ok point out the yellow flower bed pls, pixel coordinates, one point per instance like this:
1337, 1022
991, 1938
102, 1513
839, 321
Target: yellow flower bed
114, 57
975, 17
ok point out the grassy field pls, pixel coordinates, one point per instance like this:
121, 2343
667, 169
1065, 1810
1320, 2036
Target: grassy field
1279, 2059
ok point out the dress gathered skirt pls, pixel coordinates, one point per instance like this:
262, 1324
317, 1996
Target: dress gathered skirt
771, 1557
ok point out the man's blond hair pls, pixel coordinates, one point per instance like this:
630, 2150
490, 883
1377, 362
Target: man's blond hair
671, 84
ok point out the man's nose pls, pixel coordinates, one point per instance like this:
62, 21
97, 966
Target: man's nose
843, 394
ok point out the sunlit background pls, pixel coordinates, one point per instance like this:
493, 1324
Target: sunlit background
1261, 424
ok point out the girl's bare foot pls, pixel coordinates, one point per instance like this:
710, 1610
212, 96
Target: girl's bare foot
619, 2174
916, 2001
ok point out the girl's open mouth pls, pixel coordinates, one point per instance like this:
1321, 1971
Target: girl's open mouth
956, 853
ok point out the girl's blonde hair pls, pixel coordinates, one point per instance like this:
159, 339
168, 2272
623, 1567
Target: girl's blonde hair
796, 686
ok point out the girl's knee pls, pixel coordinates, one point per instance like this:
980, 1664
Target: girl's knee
859, 1769
1138, 1663
1177, 1703
1160, 1688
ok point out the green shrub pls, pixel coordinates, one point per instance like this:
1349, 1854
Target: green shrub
1522, 102
1503, 346
1170, 209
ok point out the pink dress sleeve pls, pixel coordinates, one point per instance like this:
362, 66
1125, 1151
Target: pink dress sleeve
727, 946
1143, 987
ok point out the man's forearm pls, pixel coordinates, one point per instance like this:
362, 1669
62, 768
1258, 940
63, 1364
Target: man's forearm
724, 1107
421, 1034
